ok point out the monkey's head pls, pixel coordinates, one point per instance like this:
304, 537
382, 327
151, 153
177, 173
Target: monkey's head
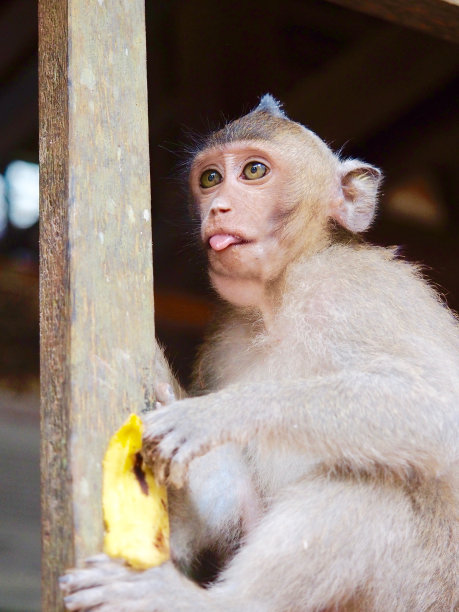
265, 189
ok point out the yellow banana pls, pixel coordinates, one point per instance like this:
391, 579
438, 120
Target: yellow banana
134, 506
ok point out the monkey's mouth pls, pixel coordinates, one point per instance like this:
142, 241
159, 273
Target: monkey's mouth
219, 242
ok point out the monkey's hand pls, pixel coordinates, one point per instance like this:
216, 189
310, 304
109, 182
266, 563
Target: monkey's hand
108, 585
176, 434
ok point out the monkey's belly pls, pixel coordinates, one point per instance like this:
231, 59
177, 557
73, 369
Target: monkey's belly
220, 488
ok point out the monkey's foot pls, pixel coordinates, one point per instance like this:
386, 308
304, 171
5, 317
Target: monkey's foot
107, 585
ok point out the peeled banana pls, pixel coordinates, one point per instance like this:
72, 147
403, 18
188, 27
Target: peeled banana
134, 506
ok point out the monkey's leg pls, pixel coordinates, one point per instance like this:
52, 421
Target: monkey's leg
108, 586
217, 506
324, 545
327, 545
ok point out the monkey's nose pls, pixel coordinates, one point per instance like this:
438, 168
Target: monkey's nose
220, 205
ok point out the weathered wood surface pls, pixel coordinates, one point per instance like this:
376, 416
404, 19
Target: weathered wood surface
97, 327
437, 17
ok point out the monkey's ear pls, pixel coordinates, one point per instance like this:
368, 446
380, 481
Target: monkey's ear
269, 104
356, 206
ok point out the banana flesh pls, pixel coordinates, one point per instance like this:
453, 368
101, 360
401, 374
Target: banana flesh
134, 506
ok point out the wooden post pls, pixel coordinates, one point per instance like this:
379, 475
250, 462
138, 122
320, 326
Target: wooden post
97, 327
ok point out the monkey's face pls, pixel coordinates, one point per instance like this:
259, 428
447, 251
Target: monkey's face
244, 192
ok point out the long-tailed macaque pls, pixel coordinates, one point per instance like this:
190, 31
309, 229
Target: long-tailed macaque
316, 463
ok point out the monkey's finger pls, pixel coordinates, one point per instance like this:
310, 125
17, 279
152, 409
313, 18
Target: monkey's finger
161, 470
151, 454
102, 558
188, 450
91, 577
132, 606
83, 600
108, 594
181, 459
164, 394
177, 474
155, 430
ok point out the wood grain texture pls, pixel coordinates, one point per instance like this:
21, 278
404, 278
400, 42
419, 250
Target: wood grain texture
57, 514
437, 17
97, 325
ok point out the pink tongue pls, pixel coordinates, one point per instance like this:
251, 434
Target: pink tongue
220, 241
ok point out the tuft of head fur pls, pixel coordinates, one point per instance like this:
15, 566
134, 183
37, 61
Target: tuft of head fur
262, 123
269, 104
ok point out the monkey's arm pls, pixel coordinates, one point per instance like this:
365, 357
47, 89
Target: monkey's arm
385, 415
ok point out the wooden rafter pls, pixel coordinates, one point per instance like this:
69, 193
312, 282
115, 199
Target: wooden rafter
371, 84
437, 17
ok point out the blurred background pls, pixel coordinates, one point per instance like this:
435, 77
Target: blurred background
383, 89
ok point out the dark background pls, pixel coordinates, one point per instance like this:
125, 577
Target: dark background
377, 90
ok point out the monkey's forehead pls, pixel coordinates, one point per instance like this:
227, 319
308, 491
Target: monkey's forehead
270, 152
286, 145
237, 146
257, 125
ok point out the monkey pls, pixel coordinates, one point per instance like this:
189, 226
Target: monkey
317, 456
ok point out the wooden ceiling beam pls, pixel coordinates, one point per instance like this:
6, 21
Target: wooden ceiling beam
437, 17
432, 146
375, 82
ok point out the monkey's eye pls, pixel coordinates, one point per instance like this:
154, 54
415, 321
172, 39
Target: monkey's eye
209, 178
254, 170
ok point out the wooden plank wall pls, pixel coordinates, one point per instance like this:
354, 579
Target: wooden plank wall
97, 326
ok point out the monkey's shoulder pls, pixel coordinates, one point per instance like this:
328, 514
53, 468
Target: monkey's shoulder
373, 277
364, 298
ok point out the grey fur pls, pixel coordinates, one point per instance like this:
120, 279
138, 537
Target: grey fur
269, 104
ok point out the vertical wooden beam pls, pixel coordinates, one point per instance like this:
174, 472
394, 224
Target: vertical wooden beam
97, 328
